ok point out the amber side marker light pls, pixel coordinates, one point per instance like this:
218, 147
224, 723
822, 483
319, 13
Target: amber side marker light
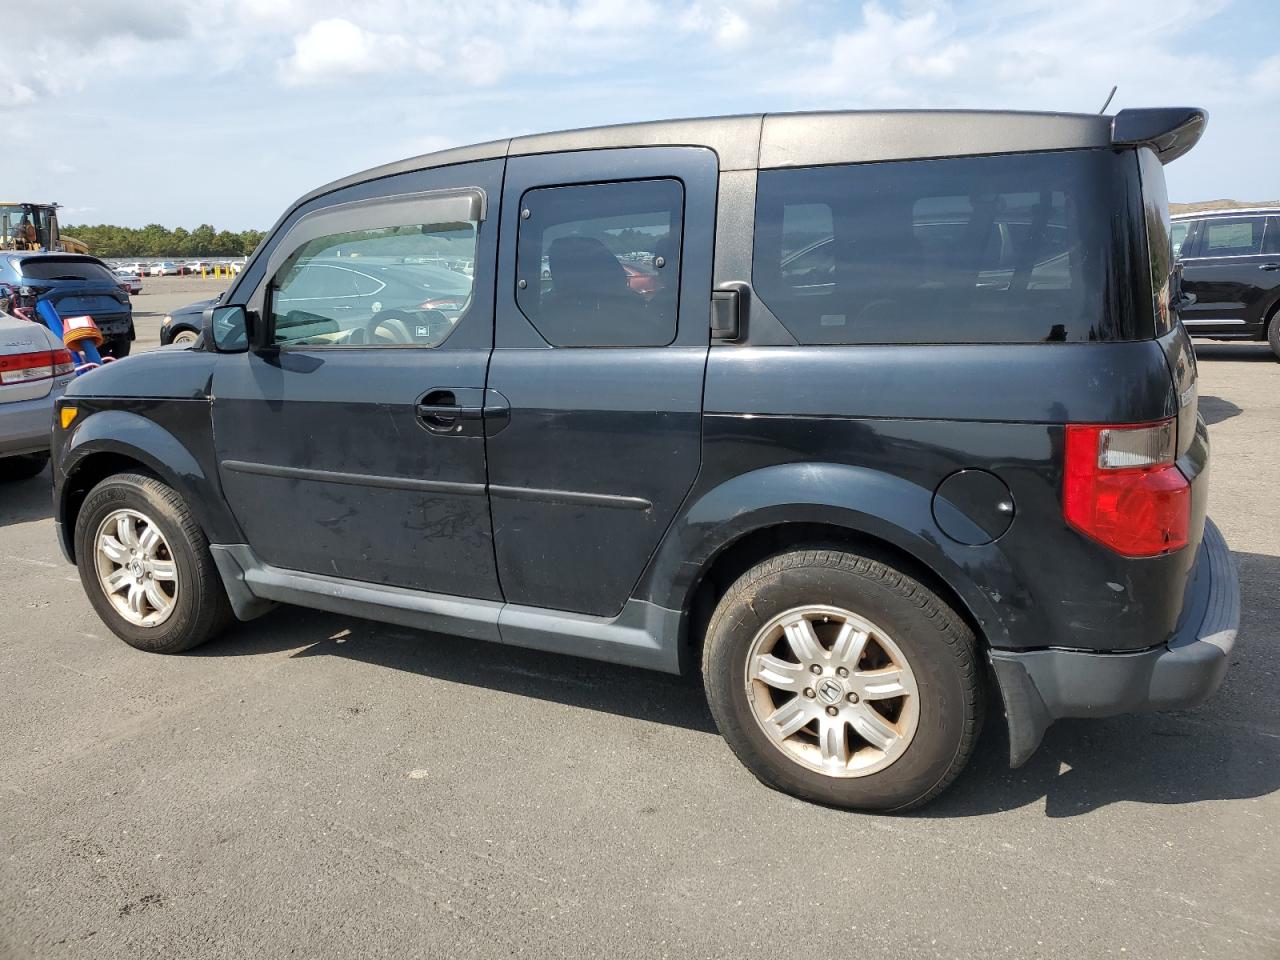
67, 416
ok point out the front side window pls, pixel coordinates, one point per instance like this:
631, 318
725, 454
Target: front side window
1004, 249
598, 265
1178, 235
1232, 238
403, 285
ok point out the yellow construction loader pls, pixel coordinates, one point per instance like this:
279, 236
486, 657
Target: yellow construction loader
34, 226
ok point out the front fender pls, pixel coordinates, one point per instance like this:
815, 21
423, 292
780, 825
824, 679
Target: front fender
187, 467
857, 499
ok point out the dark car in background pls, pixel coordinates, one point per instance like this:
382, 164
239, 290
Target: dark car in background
1231, 266
183, 325
76, 285
954, 458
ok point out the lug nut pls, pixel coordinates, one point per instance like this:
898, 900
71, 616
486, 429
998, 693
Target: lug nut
815, 669
853, 697
832, 711
843, 671
808, 692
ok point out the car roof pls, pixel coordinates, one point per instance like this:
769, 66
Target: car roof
774, 140
1273, 210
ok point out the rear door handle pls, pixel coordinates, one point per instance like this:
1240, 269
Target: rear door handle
1270, 266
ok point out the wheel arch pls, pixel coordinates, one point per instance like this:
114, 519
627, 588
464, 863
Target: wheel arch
114, 441
728, 529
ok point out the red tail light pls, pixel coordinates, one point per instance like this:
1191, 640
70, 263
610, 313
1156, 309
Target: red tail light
63, 362
25, 367
1123, 489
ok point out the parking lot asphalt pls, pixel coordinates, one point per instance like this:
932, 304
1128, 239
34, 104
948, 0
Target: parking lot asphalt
312, 785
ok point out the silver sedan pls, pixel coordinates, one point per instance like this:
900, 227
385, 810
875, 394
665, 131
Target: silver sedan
34, 370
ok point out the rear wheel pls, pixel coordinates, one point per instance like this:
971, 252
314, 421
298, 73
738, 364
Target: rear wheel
145, 565
25, 467
837, 678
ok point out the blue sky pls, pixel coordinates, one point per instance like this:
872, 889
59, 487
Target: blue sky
224, 111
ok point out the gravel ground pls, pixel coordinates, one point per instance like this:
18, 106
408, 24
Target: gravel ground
319, 786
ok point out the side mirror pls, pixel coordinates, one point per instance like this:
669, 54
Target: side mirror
229, 329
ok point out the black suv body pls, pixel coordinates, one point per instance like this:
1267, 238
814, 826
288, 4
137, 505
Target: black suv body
1231, 266
867, 414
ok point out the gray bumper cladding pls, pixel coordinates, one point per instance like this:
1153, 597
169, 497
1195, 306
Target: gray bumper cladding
1041, 686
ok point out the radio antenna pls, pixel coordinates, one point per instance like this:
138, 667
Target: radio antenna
1108, 103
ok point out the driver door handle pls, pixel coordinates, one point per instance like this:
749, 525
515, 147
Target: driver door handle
1270, 266
440, 412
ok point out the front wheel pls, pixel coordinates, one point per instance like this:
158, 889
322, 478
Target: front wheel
145, 565
185, 336
1273, 332
839, 679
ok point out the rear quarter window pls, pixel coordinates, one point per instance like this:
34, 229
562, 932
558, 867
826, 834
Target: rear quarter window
1005, 249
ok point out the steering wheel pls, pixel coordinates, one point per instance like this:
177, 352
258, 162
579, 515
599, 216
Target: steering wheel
394, 327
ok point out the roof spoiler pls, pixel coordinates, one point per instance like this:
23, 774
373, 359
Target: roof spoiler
1169, 131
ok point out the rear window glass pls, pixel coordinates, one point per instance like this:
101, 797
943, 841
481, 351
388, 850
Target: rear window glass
1021, 248
64, 268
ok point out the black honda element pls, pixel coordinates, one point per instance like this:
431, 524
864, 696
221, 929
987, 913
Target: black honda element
876, 419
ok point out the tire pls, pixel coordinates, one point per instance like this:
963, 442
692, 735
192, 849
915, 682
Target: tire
907, 625
185, 336
199, 608
14, 469
1273, 332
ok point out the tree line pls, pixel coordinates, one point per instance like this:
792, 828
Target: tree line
154, 240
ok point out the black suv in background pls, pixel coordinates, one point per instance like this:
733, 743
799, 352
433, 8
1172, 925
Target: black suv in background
900, 418
1231, 266
76, 285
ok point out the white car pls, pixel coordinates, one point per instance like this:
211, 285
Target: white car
136, 268
130, 280
165, 268
36, 369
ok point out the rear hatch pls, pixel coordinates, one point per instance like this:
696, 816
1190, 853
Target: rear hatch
77, 286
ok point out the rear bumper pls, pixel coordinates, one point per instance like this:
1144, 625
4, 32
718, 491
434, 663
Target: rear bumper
26, 426
1041, 686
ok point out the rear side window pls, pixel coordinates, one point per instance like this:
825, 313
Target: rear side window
598, 265
1271, 239
64, 268
1178, 235
1232, 238
1006, 249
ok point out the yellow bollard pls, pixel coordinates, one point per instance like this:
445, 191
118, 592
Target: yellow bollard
202, 271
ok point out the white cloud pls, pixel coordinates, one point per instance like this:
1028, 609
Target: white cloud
13, 92
390, 78
337, 49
